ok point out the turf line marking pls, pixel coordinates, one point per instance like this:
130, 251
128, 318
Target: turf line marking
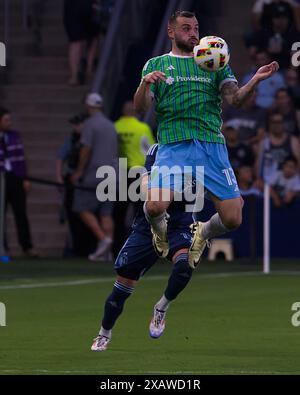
69, 283
149, 278
25, 371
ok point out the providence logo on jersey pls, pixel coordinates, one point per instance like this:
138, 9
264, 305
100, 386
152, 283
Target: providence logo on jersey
193, 78
170, 80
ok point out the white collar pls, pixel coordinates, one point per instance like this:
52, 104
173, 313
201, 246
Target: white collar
179, 56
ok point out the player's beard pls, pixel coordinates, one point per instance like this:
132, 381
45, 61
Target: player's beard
184, 46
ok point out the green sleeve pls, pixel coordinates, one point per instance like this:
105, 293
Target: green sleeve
224, 75
148, 68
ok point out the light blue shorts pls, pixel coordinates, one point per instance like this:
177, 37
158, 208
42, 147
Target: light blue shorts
205, 163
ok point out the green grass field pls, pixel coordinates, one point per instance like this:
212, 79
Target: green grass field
230, 320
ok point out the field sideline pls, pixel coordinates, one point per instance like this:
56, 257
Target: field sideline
230, 320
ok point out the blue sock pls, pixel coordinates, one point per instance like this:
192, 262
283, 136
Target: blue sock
180, 276
114, 304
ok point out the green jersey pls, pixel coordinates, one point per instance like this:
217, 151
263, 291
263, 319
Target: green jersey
188, 103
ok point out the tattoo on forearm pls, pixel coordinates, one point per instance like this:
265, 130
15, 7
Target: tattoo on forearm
234, 95
229, 91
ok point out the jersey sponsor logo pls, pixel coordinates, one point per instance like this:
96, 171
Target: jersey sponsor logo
171, 67
193, 78
170, 81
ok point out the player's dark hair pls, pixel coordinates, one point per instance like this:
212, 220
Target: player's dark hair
177, 14
3, 111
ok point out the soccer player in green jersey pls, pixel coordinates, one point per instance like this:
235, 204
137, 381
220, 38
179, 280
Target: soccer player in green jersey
188, 109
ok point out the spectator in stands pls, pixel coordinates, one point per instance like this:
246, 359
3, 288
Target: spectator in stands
249, 119
286, 185
77, 25
296, 12
99, 148
239, 153
277, 38
99, 19
135, 138
293, 86
262, 13
245, 179
278, 145
12, 162
68, 156
267, 89
35, 22
284, 105
66, 164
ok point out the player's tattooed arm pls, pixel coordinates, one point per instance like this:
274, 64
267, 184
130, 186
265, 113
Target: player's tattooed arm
234, 95
237, 96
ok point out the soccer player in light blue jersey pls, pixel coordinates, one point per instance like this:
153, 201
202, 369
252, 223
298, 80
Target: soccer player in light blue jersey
188, 109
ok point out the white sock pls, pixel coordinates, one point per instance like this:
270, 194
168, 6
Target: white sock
214, 227
157, 223
163, 304
104, 332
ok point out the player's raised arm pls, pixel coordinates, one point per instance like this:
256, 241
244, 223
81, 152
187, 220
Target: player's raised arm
236, 96
143, 96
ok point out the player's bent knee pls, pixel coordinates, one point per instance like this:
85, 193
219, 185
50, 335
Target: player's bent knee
126, 281
233, 222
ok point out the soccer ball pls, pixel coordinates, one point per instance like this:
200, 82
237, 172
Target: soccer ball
212, 53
